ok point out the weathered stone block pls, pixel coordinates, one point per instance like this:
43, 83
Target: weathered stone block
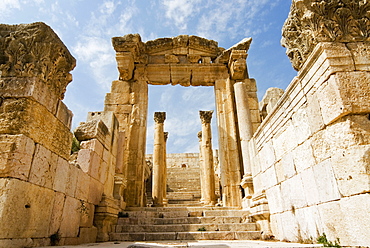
117, 98
94, 129
325, 181
89, 161
88, 235
71, 217
309, 223
285, 141
303, 156
310, 189
16, 153
43, 167
56, 214
25, 209
119, 86
267, 156
275, 199
72, 180
180, 75
360, 54
125, 64
31, 88
351, 169
87, 214
33, 122
83, 184
64, 114
93, 145
61, 175
159, 74
96, 189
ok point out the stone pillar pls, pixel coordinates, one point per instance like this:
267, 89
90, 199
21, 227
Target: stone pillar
158, 154
245, 133
208, 174
201, 166
165, 200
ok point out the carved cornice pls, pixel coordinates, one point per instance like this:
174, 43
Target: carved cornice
159, 117
313, 21
34, 50
205, 116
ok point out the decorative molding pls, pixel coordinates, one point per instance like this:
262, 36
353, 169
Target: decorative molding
206, 116
159, 117
313, 21
35, 51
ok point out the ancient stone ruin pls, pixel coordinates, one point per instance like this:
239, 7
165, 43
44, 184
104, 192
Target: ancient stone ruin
294, 166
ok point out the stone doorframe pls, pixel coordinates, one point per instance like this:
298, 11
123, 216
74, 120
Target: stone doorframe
187, 61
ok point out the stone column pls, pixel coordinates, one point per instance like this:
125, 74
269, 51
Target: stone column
201, 166
208, 174
245, 133
165, 200
158, 154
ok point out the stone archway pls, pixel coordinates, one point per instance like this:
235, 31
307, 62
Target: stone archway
187, 61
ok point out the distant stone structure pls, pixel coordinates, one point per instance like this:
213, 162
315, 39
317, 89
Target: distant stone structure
293, 167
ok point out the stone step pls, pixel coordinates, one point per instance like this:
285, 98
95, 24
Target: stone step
186, 227
199, 235
179, 220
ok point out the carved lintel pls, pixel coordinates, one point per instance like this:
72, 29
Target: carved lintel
206, 116
159, 117
313, 21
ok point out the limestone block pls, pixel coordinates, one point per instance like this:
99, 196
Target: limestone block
297, 196
88, 235
82, 187
32, 88
315, 121
93, 145
16, 153
303, 157
360, 54
285, 141
25, 209
43, 167
275, 200
96, 189
180, 75
309, 223
94, 129
194, 58
321, 146
72, 180
290, 226
32, 122
70, 218
57, 212
64, 114
344, 93
125, 64
87, 214
61, 175
117, 98
351, 169
120, 86
89, 161
301, 124
158, 74
276, 227
325, 181
285, 168
267, 156
207, 74
269, 178
310, 188
103, 172
356, 219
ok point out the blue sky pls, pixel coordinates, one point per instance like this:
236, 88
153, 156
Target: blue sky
86, 28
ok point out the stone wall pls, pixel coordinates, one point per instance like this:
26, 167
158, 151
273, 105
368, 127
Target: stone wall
45, 199
311, 153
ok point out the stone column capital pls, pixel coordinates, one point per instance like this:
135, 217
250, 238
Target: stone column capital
200, 136
165, 136
206, 116
159, 117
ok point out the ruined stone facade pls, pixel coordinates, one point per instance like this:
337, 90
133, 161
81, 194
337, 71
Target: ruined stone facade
299, 157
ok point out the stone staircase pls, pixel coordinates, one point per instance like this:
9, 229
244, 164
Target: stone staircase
184, 223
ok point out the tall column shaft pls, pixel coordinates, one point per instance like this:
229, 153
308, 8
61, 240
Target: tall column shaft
165, 200
158, 154
201, 167
244, 123
208, 182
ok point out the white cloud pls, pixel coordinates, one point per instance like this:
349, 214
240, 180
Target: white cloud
179, 11
108, 7
6, 7
99, 55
